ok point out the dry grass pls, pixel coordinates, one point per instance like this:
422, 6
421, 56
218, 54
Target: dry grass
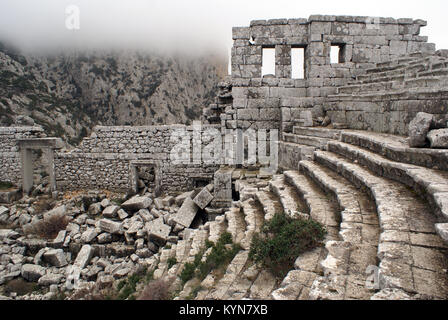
47, 228
156, 290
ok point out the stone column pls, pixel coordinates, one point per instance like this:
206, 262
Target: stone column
27, 170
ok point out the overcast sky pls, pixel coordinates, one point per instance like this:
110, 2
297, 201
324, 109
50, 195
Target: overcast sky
185, 24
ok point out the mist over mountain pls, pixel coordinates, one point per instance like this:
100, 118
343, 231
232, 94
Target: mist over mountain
70, 92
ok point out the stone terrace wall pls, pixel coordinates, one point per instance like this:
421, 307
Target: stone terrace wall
277, 102
103, 160
10, 168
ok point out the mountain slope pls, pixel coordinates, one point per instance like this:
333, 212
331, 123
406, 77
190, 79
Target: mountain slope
70, 93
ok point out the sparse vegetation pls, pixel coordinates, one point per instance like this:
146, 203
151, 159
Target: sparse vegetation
21, 287
220, 256
48, 228
171, 262
5, 185
282, 240
156, 290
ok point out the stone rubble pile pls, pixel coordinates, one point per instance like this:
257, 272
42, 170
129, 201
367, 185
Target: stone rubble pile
425, 130
103, 240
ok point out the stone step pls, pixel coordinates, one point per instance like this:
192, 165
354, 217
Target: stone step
321, 207
236, 224
396, 94
423, 63
254, 218
413, 258
429, 79
315, 142
198, 243
269, 203
233, 270
288, 198
162, 267
240, 288
359, 234
217, 227
290, 154
396, 148
318, 132
263, 286
295, 286
431, 184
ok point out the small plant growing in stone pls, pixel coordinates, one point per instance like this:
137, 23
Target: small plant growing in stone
282, 240
171, 262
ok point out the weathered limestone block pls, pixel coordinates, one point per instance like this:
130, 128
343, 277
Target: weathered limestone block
110, 226
111, 211
419, 128
122, 214
55, 257
438, 138
95, 209
3, 210
59, 211
49, 279
136, 203
203, 198
32, 272
157, 230
186, 213
89, 235
59, 240
83, 257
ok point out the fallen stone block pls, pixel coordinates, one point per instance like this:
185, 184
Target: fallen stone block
181, 198
157, 230
158, 203
49, 279
119, 250
111, 211
55, 257
104, 238
145, 215
186, 213
94, 209
59, 211
59, 240
438, 138
110, 226
167, 201
203, 198
83, 257
419, 128
3, 210
136, 203
32, 272
122, 214
88, 235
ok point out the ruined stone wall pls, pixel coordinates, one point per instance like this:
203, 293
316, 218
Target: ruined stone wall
103, 160
10, 168
279, 101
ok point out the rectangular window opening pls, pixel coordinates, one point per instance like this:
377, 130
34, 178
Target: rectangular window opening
298, 63
337, 53
268, 63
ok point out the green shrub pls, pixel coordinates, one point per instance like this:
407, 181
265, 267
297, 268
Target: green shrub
187, 272
282, 240
171, 262
220, 255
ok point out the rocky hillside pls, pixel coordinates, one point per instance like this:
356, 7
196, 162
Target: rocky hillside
69, 93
